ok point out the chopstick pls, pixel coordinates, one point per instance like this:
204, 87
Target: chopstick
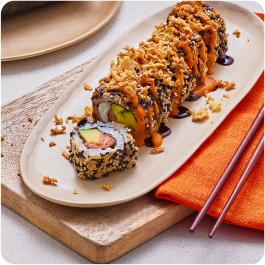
252, 162
251, 132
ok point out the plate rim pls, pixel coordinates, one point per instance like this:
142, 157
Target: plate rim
169, 172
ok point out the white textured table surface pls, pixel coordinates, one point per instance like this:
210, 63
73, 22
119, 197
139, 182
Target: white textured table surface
24, 243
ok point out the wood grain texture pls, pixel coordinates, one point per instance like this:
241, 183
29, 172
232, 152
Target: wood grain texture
99, 234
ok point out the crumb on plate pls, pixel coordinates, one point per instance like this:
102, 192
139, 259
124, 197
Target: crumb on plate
11, 144
77, 118
87, 87
107, 186
236, 33
19, 174
37, 121
58, 131
58, 121
66, 120
49, 180
52, 144
29, 119
212, 121
65, 154
226, 95
88, 111
157, 150
67, 147
75, 192
213, 106
200, 114
2, 154
226, 84
42, 138
2, 138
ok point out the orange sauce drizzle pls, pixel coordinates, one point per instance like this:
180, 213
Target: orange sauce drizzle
203, 54
208, 85
139, 133
192, 62
211, 56
157, 139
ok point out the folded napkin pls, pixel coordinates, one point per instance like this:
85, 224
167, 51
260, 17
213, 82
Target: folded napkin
192, 184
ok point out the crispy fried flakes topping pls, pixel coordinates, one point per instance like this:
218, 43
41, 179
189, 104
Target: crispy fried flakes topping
87, 87
65, 154
49, 180
58, 121
157, 150
58, 131
200, 114
107, 186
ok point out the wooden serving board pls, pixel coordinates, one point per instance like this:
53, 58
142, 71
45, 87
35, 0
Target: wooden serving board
99, 234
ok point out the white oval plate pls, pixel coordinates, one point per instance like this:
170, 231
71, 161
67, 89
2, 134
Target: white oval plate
38, 159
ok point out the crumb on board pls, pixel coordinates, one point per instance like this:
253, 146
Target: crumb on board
65, 154
49, 180
77, 118
212, 105
37, 121
107, 186
19, 174
58, 131
52, 144
58, 121
67, 147
2, 138
236, 33
226, 95
42, 138
52, 103
87, 87
88, 111
200, 114
157, 150
75, 192
2, 154
226, 84
29, 119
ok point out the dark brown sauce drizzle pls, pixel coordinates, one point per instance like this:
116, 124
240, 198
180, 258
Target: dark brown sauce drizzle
182, 113
163, 130
225, 60
82, 122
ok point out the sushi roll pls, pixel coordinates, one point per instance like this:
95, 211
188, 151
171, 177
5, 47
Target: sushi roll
121, 98
99, 149
205, 21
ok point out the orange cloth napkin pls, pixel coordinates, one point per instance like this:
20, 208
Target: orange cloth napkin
191, 184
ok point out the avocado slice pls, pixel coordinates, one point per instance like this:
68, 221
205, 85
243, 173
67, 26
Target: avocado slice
122, 120
116, 108
129, 118
90, 135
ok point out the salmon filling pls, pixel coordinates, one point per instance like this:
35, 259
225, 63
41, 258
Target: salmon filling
105, 140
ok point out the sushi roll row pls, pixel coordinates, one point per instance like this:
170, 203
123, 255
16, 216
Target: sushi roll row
101, 149
147, 84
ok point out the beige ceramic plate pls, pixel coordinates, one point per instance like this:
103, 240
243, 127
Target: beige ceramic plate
151, 170
53, 27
